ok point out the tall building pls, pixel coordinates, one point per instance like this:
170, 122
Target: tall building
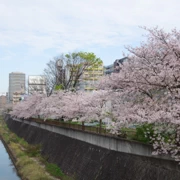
37, 84
16, 84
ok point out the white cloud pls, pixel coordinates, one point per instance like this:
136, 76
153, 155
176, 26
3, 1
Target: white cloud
28, 28
68, 25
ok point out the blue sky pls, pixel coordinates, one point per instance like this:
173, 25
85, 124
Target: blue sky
33, 32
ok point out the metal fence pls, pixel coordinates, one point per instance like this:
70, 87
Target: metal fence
82, 127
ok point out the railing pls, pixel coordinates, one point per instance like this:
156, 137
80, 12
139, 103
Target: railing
82, 127
68, 124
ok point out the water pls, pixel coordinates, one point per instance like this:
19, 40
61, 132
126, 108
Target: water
7, 169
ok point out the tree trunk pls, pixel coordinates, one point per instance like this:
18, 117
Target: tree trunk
83, 127
100, 126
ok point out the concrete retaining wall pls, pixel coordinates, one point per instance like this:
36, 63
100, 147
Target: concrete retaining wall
111, 143
100, 158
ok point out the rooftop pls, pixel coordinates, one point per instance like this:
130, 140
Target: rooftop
17, 73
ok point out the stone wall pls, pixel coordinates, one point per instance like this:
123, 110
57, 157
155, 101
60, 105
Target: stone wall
86, 161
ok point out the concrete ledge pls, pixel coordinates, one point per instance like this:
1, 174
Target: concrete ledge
111, 143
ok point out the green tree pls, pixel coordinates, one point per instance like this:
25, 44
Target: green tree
66, 70
58, 87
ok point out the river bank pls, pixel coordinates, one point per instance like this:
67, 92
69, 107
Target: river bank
26, 158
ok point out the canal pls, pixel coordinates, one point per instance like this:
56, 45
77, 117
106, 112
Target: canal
7, 169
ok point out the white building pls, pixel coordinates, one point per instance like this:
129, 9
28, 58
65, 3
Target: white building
37, 84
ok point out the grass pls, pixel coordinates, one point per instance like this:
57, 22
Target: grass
33, 150
31, 165
33, 171
54, 170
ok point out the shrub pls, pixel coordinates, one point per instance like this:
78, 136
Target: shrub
144, 133
54, 170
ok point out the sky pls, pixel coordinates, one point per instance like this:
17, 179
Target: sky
33, 32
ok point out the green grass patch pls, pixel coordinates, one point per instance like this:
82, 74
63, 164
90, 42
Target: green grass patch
54, 170
33, 150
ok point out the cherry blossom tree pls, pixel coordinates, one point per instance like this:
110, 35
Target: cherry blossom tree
145, 91
52, 107
76, 105
148, 87
27, 109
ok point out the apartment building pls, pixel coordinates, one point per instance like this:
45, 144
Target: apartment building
16, 84
90, 77
17, 97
